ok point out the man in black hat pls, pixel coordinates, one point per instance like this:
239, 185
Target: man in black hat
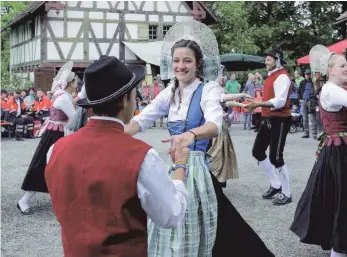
274, 127
103, 182
309, 103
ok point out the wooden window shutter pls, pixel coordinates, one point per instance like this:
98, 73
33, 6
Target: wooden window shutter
143, 30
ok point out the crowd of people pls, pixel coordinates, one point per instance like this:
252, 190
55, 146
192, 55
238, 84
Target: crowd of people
137, 206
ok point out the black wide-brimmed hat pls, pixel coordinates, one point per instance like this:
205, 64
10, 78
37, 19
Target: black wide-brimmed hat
277, 54
107, 79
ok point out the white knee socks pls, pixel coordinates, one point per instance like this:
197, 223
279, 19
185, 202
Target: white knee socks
270, 172
283, 175
335, 254
24, 202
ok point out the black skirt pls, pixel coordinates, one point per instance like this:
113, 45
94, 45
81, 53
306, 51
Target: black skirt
321, 214
235, 238
35, 178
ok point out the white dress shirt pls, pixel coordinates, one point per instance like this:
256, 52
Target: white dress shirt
163, 199
333, 97
281, 88
160, 106
64, 103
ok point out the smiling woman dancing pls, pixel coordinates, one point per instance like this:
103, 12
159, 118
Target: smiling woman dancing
212, 226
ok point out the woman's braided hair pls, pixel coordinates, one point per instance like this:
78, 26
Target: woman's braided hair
198, 58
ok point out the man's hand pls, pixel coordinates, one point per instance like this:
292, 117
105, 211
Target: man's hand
247, 96
252, 105
75, 100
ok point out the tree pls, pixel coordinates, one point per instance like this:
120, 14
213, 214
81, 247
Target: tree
8, 11
232, 31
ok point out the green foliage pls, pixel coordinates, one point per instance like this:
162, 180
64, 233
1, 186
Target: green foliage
254, 27
8, 11
14, 82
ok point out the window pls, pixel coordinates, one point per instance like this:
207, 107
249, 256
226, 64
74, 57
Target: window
166, 29
153, 31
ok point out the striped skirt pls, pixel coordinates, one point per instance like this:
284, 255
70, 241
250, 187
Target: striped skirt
196, 233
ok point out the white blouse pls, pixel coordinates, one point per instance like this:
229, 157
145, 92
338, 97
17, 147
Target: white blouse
64, 103
163, 199
333, 97
160, 106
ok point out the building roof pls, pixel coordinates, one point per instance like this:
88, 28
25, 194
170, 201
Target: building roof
35, 5
341, 18
32, 7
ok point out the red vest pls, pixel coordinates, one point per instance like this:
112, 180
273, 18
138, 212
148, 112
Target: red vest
92, 180
269, 93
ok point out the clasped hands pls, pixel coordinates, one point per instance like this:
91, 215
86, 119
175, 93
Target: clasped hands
179, 151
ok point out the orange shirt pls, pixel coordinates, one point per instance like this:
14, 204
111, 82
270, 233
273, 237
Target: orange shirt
4, 104
243, 110
45, 104
259, 99
13, 106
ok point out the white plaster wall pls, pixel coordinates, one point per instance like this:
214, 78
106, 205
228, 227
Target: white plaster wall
98, 29
93, 53
38, 49
115, 50
120, 5
73, 28
133, 30
184, 18
112, 16
75, 14
149, 6
72, 3
161, 7
87, 4
174, 5
134, 17
65, 48
153, 18
182, 8
131, 6
138, 4
110, 30
78, 53
96, 15
52, 53
58, 28
102, 4
103, 47
167, 18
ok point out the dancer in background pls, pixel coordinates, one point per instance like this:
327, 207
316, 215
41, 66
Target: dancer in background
274, 128
52, 130
212, 226
321, 214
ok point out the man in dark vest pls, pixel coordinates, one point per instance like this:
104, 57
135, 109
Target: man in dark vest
104, 183
274, 127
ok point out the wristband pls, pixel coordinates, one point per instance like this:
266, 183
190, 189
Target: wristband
177, 166
193, 134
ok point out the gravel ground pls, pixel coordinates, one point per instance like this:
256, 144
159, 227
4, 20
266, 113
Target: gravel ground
38, 235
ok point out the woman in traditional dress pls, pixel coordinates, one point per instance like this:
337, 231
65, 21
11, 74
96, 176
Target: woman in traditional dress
321, 214
212, 226
52, 130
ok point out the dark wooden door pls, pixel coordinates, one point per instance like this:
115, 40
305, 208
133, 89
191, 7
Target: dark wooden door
44, 78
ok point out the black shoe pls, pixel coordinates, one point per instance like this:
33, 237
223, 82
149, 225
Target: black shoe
281, 199
271, 192
19, 139
305, 136
256, 130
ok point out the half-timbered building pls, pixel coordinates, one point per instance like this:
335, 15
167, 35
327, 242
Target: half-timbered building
48, 33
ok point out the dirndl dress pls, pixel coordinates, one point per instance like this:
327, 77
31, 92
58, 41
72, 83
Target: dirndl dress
321, 214
211, 226
52, 130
